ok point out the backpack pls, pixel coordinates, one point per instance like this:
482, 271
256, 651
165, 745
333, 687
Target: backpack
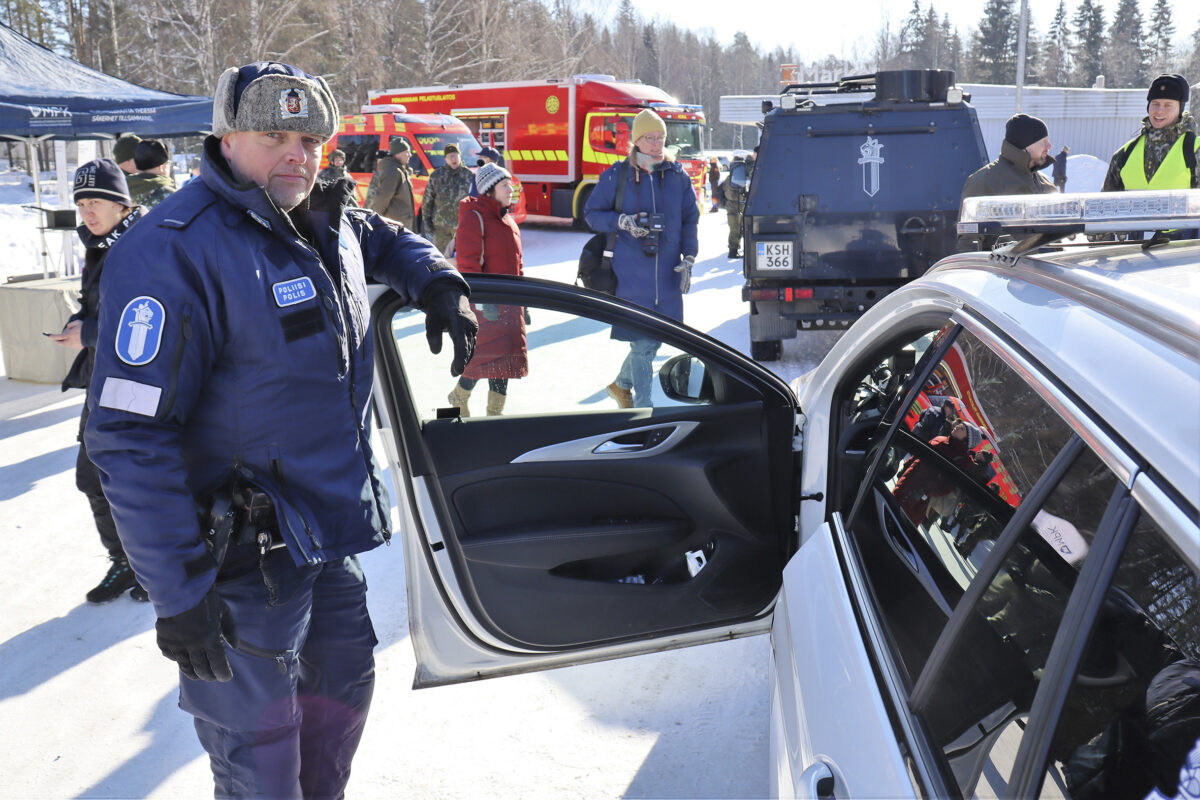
595, 261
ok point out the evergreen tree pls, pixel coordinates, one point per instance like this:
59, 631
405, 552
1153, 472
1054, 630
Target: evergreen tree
911, 31
995, 45
1056, 52
1125, 59
1159, 37
1088, 43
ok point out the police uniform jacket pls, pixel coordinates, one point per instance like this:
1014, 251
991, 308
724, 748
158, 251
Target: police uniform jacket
649, 280
230, 341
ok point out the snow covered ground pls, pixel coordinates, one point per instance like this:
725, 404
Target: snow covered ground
88, 705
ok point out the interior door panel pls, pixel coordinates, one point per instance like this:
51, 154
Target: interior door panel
582, 525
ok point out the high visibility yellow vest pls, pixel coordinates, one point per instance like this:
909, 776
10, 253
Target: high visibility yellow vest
1175, 171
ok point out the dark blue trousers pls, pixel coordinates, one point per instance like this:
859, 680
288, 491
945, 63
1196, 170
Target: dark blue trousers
289, 722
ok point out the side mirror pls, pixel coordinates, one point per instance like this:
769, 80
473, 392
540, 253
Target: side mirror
684, 378
737, 175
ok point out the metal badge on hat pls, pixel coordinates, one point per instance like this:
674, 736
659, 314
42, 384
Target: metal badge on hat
293, 103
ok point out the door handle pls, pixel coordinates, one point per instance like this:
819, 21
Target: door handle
817, 781
616, 447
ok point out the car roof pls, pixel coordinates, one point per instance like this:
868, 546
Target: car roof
1119, 329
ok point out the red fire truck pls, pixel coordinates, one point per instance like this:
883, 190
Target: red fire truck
363, 137
557, 136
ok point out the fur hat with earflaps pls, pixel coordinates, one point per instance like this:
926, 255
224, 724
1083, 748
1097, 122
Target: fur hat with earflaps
270, 96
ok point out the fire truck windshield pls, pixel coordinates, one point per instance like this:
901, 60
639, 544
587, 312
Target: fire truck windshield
683, 139
434, 146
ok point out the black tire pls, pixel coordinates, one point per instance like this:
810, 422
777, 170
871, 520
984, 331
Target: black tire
766, 351
580, 223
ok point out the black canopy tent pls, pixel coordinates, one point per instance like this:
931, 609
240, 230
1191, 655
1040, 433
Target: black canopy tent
46, 96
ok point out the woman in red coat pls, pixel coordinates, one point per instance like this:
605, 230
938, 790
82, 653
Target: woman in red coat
488, 241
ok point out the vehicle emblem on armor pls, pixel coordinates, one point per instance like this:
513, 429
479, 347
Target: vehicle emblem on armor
870, 162
293, 103
141, 330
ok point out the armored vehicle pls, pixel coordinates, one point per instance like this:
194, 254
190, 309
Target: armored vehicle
851, 198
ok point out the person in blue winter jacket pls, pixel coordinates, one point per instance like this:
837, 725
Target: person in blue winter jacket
234, 362
655, 219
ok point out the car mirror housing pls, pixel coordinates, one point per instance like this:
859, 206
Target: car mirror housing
685, 379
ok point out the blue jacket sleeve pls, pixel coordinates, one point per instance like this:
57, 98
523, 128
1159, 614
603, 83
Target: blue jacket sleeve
396, 256
598, 212
689, 242
138, 410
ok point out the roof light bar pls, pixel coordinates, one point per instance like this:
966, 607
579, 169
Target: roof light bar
1092, 212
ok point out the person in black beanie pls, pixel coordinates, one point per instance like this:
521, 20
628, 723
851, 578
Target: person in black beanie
1163, 154
103, 202
152, 183
1024, 151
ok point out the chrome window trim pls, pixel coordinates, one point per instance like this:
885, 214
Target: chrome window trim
1180, 528
920, 754
1113, 456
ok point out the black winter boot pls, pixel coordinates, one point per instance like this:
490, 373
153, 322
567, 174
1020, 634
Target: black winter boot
119, 580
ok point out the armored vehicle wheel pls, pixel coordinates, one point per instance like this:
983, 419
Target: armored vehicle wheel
766, 351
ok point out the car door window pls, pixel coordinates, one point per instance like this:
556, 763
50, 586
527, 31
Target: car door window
1132, 718
984, 690
946, 486
543, 362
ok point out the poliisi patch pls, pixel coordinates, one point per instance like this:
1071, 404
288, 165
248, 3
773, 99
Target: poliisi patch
289, 293
140, 332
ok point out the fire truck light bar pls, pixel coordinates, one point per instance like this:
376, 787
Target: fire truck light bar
1091, 212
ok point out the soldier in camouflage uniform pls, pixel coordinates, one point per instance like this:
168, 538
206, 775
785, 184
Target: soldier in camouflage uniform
336, 169
448, 185
1156, 157
390, 193
735, 205
152, 183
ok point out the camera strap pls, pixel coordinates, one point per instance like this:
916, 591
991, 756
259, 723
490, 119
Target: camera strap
623, 168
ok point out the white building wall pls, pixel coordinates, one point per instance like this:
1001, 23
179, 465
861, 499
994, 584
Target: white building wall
1092, 121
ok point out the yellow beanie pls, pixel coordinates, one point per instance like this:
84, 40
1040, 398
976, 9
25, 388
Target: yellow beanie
647, 122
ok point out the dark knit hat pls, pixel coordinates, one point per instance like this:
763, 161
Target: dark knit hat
150, 153
125, 147
398, 145
1022, 130
270, 96
490, 152
102, 178
488, 176
1169, 87
450, 148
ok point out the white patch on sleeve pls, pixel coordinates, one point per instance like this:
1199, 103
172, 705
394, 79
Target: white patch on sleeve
124, 395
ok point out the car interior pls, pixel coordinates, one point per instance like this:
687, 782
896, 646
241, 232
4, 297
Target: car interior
569, 521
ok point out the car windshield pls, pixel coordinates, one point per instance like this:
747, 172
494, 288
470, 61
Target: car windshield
434, 146
683, 139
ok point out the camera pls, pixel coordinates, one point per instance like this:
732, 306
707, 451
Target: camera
655, 223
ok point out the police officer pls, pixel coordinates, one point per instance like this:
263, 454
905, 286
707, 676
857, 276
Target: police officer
234, 350
390, 193
448, 184
1163, 154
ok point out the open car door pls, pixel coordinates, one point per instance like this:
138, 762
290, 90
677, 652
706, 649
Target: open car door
568, 529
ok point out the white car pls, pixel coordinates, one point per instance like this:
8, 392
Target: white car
972, 535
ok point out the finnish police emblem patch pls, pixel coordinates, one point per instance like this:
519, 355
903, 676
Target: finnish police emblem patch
289, 293
293, 103
140, 332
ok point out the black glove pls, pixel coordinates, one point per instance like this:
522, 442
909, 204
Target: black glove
196, 639
447, 309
